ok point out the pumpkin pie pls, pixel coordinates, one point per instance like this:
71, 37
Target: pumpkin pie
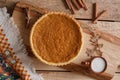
56, 38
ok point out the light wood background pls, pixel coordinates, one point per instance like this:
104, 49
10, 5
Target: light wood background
110, 23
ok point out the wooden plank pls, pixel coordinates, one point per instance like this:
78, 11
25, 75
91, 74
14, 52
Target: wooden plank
112, 28
118, 70
51, 75
102, 1
116, 77
58, 5
107, 50
112, 7
106, 55
24, 30
77, 68
64, 76
102, 26
57, 75
41, 66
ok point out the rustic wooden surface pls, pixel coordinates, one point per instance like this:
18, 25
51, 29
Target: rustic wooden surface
110, 23
112, 7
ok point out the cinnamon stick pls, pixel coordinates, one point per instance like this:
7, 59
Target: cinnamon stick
81, 3
85, 6
72, 9
70, 6
96, 19
95, 7
75, 3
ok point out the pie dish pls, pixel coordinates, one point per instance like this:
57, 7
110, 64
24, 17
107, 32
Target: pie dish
56, 38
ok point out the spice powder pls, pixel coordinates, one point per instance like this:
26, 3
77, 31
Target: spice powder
56, 38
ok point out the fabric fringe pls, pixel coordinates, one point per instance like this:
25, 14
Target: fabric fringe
16, 42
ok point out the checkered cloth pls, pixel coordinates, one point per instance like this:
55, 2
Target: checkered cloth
16, 46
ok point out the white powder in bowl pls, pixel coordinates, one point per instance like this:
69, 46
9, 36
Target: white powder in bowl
98, 64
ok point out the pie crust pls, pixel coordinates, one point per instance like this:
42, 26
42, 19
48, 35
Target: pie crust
56, 38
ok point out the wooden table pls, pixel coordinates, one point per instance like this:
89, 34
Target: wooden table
110, 23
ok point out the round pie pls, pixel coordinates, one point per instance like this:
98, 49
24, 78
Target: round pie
56, 38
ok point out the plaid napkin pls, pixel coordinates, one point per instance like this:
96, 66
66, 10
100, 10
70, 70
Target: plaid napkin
14, 38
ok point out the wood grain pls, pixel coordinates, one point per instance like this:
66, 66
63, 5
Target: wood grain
112, 7
109, 27
64, 76
107, 54
112, 28
31, 7
78, 68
